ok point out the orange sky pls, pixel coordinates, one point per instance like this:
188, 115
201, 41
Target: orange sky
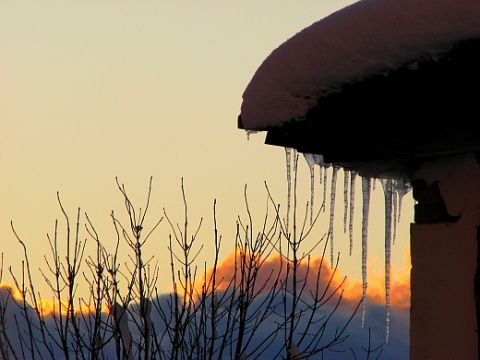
149, 89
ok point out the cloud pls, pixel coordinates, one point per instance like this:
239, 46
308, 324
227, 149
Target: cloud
326, 283
328, 278
9, 292
21, 322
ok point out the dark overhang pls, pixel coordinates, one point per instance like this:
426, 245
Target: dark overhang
428, 107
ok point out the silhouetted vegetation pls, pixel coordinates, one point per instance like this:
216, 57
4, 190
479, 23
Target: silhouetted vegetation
207, 315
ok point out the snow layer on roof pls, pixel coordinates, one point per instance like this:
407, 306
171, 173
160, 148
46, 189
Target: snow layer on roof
367, 38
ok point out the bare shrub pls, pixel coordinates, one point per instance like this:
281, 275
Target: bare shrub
265, 306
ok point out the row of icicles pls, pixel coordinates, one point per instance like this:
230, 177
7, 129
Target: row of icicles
393, 189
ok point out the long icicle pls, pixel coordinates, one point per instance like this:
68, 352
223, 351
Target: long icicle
320, 171
311, 163
366, 184
332, 210
323, 166
324, 186
395, 212
353, 176
346, 178
388, 192
401, 188
288, 160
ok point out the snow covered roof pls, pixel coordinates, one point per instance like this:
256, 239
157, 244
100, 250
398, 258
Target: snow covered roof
367, 38
377, 67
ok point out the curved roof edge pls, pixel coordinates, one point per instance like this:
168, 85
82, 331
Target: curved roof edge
368, 38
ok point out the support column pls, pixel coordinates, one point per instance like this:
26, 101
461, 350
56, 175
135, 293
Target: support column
444, 247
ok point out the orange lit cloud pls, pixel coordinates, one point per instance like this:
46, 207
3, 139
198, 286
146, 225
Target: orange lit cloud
49, 307
46, 307
272, 269
8, 290
327, 281
399, 282
52, 307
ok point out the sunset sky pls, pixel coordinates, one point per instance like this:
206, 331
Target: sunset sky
94, 91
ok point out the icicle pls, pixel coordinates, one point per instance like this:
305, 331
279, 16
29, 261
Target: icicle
388, 191
324, 186
311, 163
353, 176
366, 184
323, 165
288, 158
332, 210
346, 177
250, 132
322, 173
401, 188
395, 213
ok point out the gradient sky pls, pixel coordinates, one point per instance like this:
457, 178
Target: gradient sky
90, 91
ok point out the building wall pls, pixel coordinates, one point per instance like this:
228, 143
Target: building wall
444, 261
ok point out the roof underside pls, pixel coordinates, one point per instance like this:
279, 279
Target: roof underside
430, 110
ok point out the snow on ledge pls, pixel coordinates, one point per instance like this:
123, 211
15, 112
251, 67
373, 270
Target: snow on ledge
367, 38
